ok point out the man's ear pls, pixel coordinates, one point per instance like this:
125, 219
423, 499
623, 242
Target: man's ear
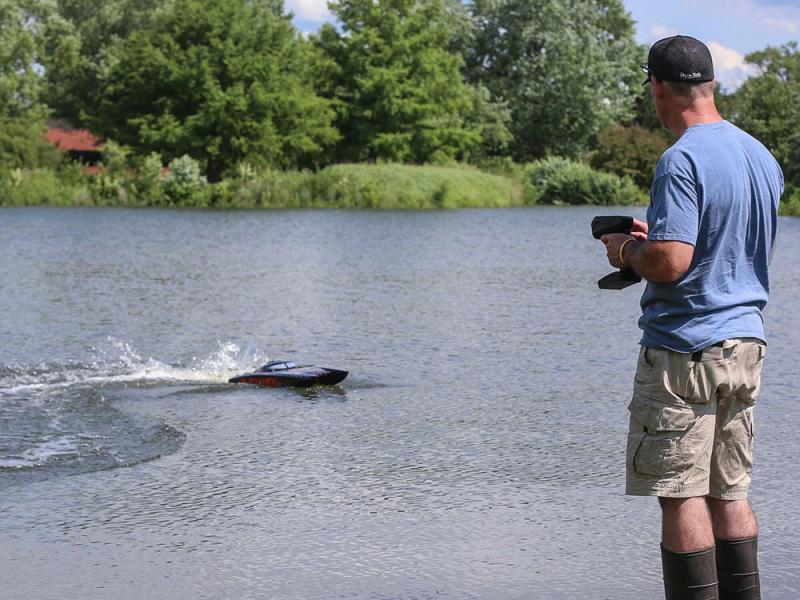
658, 88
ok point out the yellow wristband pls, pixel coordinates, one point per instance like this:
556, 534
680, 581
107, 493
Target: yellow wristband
621, 248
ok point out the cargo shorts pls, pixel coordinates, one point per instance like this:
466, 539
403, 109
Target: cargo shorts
691, 421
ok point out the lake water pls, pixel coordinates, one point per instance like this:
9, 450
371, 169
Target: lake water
475, 451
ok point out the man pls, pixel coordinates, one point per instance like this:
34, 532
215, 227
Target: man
704, 251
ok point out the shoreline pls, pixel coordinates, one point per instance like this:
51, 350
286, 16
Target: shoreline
389, 186
381, 187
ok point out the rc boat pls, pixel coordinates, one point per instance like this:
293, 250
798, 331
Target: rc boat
279, 373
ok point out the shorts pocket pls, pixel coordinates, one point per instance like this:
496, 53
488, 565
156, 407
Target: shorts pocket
655, 431
757, 352
747, 377
646, 366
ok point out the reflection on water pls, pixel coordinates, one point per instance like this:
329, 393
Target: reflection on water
475, 451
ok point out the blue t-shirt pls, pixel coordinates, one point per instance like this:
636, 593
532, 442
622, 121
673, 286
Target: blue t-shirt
718, 189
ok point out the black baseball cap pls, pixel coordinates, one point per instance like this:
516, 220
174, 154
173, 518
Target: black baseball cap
679, 58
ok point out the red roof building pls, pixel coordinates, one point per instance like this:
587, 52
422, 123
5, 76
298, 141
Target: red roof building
79, 144
75, 140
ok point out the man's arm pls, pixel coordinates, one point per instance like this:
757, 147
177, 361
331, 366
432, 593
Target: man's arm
656, 261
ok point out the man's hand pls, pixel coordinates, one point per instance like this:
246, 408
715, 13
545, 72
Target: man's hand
659, 261
614, 241
639, 229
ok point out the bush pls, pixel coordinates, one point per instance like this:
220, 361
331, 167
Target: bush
144, 183
629, 152
790, 203
115, 158
184, 184
24, 145
501, 165
563, 181
36, 187
251, 188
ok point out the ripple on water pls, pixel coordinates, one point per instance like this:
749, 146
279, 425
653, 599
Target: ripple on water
476, 451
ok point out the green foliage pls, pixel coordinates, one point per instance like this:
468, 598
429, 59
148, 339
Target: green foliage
263, 188
183, 185
107, 190
783, 62
646, 117
82, 40
36, 187
109, 187
145, 184
563, 181
393, 186
115, 157
23, 145
385, 186
644, 110
220, 81
567, 68
629, 152
20, 51
768, 106
229, 89
492, 120
790, 203
502, 165
399, 91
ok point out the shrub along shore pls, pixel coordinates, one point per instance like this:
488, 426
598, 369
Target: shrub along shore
551, 181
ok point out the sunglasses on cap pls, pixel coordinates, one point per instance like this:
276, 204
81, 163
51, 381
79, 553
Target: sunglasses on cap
646, 69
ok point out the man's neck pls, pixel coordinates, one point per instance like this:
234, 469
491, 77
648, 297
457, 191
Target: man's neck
698, 113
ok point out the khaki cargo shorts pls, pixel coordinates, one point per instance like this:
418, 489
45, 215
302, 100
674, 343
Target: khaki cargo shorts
691, 426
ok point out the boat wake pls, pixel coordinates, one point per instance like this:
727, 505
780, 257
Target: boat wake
120, 363
58, 417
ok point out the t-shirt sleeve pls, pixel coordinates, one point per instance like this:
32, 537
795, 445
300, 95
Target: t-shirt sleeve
673, 213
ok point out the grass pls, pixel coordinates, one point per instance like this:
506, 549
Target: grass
354, 186
362, 186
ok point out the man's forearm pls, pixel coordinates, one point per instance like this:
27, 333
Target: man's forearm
654, 261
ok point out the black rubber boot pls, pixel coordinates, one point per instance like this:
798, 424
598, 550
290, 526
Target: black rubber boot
690, 575
737, 568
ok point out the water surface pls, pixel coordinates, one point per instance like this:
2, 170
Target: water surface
475, 451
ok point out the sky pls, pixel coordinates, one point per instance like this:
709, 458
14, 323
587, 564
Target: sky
730, 28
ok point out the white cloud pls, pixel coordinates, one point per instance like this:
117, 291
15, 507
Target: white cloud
309, 10
781, 24
781, 17
775, 16
730, 67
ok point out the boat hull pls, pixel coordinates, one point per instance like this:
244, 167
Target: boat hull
302, 377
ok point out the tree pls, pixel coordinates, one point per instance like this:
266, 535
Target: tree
23, 144
81, 40
567, 68
768, 106
783, 62
20, 51
220, 81
629, 151
491, 116
399, 91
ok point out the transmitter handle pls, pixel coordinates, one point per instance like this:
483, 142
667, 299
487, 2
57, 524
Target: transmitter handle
618, 280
